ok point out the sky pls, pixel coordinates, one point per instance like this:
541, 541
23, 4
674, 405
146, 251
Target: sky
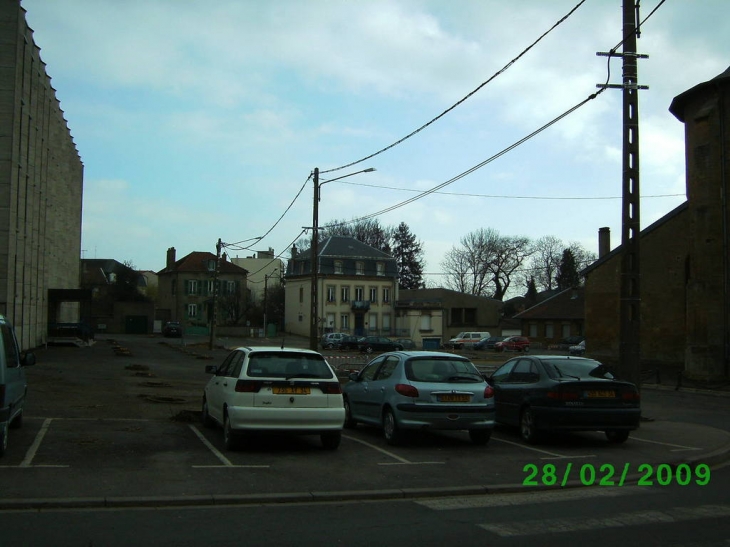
199, 120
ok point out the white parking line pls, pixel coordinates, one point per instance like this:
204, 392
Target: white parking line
226, 462
400, 461
677, 447
550, 455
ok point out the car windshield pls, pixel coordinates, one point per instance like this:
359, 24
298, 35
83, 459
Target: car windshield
431, 369
288, 365
578, 368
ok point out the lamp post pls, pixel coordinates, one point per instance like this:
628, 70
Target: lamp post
315, 251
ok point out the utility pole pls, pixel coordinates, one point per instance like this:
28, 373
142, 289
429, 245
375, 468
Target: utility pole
214, 305
314, 265
630, 290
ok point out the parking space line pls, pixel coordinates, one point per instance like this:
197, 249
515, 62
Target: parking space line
677, 447
28, 460
226, 462
550, 455
400, 461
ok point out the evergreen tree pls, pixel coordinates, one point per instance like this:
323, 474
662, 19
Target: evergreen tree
408, 254
531, 295
568, 276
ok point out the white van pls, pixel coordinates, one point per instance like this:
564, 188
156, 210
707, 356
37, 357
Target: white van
466, 339
13, 386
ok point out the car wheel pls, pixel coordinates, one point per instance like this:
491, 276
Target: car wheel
398, 348
3, 437
229, 438
390, 428
330, 346
617, 436
526, 349
480, 436
205, 416
330, 441
350, 423
369, 349
528, 431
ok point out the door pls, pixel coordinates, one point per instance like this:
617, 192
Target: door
358, 393
215, 391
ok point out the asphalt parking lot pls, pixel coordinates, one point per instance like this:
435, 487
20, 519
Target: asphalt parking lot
117, 423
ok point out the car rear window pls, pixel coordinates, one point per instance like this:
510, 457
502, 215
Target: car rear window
288, 365
430, 369
578, 368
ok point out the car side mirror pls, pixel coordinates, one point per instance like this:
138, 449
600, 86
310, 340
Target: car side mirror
27, 359
211, 369
354, 376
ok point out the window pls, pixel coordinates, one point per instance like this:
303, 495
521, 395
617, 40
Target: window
359, 268
549, 330
331, 321
192, 310
425, 322
470, 316
345, 321
533, 330
301, 294
210, 287
373, 294
11, 349
359, 293
230, 287
338, 267
566, 330
373, 321
192, 286
380, 268
386, 295
345, 294
386, 322
330, 293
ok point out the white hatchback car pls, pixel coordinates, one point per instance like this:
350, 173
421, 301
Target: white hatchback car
274, 390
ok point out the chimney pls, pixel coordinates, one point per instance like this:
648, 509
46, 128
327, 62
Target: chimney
604, 241
294, 251
170, 258
224, 257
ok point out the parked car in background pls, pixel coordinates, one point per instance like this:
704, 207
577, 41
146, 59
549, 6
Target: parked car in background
578, 349
369, 344
274, 390
331, 339
420, 390
561, 393
466, 339
172, 329
488, 342
406, 343
568, 341
513, 343
13, 384
349, 341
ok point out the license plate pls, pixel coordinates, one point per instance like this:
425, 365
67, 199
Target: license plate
454, 398
290, 390
600, 393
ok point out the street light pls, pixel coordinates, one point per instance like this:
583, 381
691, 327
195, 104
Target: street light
315, 244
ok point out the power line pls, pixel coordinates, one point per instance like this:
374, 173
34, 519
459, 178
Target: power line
424, 126
493, 196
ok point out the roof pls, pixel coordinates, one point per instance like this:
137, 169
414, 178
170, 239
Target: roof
568, 304
349, 247
681, 100
437, 294
198, 261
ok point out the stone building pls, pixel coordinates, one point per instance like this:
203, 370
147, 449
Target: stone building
685, 278
41, 186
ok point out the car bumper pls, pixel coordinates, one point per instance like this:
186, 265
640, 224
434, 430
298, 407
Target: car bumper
586, 419
415, 416
287, 420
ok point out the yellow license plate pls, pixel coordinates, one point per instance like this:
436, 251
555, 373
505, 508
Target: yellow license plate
600, 393
454, 398
290, 390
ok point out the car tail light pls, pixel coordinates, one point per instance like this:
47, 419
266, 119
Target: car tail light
563, 395
330, 388
631, 396
406, 390
247, 386
488, 392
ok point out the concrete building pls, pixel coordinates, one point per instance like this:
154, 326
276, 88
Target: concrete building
264, 272
685, 278
41, 186
357, 289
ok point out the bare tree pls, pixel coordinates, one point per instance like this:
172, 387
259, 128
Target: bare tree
545, 261
511, 254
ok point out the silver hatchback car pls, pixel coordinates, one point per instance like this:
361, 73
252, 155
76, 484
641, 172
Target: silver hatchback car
420, 390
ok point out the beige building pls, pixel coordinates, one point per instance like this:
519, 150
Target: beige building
41, 186
357, 289
264, 272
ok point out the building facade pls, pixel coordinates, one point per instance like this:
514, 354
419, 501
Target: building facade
357, 286
41, 187
186, 291
265, 271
